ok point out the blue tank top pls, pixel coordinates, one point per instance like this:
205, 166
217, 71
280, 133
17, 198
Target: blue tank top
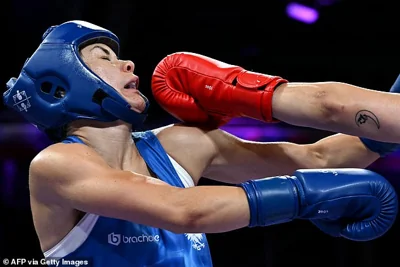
119, 243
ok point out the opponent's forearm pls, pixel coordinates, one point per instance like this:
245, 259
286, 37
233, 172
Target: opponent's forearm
213, 209
339, 107
342, 151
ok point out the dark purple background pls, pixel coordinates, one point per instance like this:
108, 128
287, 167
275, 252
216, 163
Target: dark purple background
331, 40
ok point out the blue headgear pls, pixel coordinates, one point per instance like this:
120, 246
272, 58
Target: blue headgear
56, 87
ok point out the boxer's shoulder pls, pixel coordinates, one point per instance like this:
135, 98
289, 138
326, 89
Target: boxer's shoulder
60, 163
181, 136
192, 147
48, 172
61, 155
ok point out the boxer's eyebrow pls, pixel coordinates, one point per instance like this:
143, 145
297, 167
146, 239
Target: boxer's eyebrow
102, 48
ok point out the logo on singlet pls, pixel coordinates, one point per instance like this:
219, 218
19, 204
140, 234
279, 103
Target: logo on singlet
196, 241
116, 239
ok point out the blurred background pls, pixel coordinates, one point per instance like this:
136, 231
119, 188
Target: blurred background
301, 40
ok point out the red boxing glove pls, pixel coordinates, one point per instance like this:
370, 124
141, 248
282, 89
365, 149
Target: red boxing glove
201, 90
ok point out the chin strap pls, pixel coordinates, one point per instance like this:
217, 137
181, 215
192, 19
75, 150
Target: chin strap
124, 112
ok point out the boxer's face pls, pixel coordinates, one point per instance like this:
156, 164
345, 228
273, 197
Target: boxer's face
117, 73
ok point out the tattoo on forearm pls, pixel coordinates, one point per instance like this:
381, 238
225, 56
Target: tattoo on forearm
363, 116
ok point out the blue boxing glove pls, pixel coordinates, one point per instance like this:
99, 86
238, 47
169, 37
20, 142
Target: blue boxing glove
383, 148
356, 204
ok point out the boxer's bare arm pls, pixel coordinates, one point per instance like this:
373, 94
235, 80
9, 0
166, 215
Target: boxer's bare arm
74, 176
220, 156
238, 160
343, 151
341, 108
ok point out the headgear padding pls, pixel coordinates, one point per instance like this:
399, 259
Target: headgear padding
56, 87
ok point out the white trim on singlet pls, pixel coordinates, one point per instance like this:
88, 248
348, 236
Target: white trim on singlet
74, 239
182, 173
78, 235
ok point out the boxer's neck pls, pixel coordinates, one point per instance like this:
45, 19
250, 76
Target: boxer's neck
113, 141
